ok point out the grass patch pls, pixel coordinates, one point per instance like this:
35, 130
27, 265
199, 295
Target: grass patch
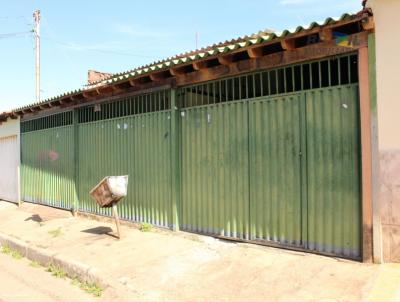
35, 264
145, 227
57, 271
5, 249
90, 288
55, 233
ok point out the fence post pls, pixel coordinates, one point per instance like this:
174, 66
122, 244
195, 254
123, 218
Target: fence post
175, 162
76, 161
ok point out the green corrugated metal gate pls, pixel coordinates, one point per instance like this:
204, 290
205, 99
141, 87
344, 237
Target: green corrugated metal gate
274, 157
48, 157
278, 169
215, 170
275, 146
271, 157
138, 146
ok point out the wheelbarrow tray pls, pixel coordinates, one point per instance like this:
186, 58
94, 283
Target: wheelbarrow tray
110, 190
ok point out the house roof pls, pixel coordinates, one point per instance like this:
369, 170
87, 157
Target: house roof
189, 57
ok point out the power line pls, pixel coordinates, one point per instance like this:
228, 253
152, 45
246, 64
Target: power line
15, 34
71, 46
12, 17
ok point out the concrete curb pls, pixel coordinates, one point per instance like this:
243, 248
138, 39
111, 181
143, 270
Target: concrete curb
45, 257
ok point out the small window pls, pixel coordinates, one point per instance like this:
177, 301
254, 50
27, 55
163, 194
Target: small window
265, 83
334, 70
273, 82
289, 79
306, 77
297, 78
344, 71
315, 75
250, 85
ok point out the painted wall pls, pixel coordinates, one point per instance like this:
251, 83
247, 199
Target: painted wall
386, 16
10, 128
10, 160
387, 21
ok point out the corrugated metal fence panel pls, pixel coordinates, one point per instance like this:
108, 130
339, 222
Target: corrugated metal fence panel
215, 196
333, 163
275, 169
47, 175
9, 162
138, 146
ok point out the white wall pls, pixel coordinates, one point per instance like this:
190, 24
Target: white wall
9, 128
387, 26
10, 163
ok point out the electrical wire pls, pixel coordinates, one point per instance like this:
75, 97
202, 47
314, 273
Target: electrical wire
15, 34
12, 17
71, 45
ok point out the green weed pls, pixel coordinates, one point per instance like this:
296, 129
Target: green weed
145, 227
90, 288
35, 264
55, 233
57, 271
5, 249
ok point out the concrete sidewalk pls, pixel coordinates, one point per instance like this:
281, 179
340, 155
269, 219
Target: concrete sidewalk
167, 266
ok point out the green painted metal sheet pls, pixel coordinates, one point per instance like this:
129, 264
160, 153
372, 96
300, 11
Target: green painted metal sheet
215, 194
138, 146
333, 166
275, 169
47, 174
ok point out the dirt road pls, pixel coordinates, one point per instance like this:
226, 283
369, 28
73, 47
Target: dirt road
20, 282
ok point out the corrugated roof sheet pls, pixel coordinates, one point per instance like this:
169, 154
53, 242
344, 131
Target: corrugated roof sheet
184, 58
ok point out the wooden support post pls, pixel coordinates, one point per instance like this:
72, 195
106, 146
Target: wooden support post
366, 155
115, 212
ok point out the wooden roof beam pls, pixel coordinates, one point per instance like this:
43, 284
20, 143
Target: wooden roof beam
116, 88
225, 60
288, 44
255, 52
45, 106
177, 71
368, 23
326, 34
200, 65
133, 82
89, 94
105, 89
155, 77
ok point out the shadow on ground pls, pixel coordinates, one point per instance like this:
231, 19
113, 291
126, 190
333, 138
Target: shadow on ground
101, 230
34, 217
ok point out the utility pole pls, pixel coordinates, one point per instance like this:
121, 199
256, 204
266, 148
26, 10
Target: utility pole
36, 17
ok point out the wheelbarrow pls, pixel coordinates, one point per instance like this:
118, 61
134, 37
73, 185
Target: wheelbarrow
109, 192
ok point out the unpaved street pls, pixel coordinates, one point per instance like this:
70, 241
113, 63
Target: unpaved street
20, 282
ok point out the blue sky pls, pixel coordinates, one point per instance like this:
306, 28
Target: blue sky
114, 36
